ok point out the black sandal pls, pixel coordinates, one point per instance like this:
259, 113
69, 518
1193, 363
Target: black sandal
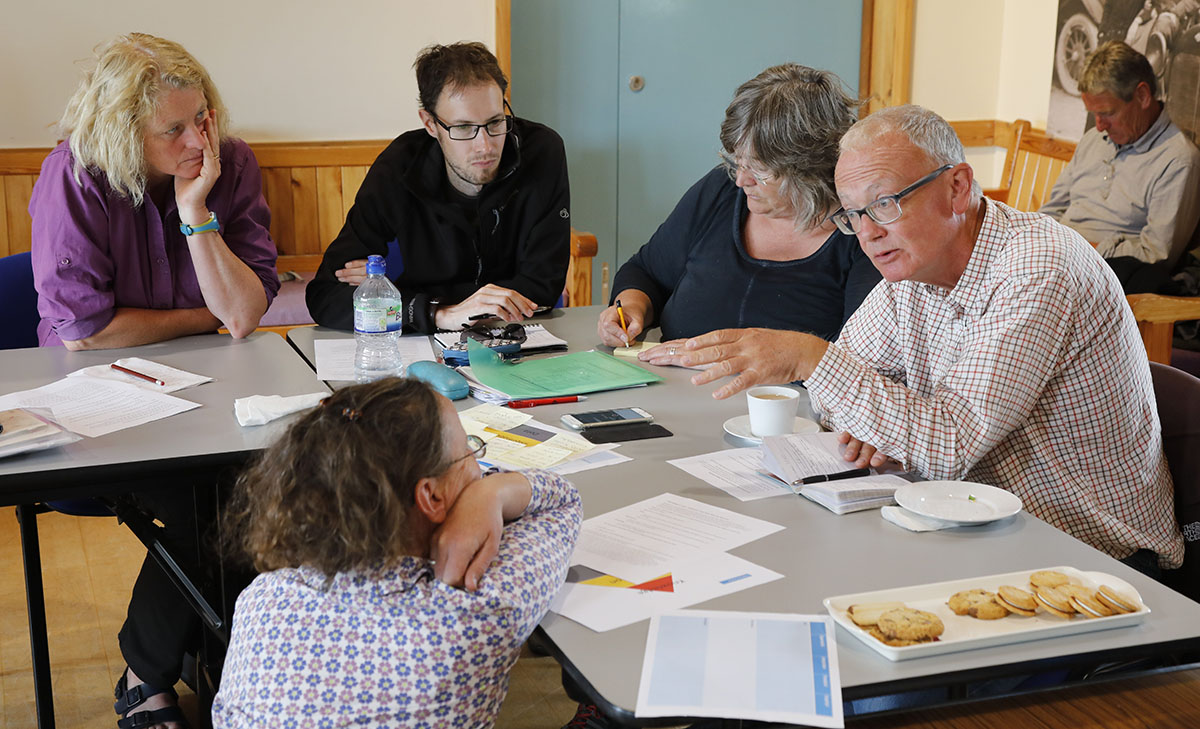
128, 699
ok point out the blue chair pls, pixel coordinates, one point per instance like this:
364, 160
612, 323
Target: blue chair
18, 301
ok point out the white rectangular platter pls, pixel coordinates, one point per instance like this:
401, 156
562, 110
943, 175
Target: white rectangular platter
966, 633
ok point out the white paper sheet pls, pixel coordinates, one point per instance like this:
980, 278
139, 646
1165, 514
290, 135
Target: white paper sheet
93, 407
647, 539
176, 379
735, 471
335, 357
605, 608
796, 456
774, 667
588, 461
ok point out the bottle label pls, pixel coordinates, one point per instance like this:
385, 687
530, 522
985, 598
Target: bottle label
372, 318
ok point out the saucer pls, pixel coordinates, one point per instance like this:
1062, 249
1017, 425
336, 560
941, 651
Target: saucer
739, 427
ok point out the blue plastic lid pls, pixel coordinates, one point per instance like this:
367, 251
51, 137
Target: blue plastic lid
376, 264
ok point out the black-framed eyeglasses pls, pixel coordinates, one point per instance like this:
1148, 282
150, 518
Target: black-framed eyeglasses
884, 210
463, 132
478, 448
731, 165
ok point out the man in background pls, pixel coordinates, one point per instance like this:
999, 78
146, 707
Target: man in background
471, 210
1131, 188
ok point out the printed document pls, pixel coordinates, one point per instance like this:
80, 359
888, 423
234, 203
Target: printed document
175, 379
603, 607
774, 667
93, 407
648, 539
736, 471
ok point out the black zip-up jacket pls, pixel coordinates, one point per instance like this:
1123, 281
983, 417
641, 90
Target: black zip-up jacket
521, 239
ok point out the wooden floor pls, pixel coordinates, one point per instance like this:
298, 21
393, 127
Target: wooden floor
89, 565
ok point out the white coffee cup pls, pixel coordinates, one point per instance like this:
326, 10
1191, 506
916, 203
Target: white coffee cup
772, 409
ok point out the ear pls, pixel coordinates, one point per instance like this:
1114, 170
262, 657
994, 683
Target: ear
1142, 95
431, 499
427, 121
960, 186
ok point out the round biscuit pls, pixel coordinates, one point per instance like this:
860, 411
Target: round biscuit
1090, 607
910, 624
1051, 609
1117, 600
1018, 598
962, 601
1055, 597
878, 635
1079, 590
990, 610
1048, 578
1016, 610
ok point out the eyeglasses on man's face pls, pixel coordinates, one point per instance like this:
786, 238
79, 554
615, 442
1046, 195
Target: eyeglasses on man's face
883, 210
463, 132
732, 166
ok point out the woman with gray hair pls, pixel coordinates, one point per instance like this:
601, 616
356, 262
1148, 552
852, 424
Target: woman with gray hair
750, 244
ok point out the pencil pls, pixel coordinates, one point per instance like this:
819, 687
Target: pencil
621, 316
137, 374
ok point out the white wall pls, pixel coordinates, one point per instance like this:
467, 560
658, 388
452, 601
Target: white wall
287, 69
984, 59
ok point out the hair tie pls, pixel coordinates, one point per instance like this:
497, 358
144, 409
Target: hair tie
351, 414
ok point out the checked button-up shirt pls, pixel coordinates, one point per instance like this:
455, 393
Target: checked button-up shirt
1029, 375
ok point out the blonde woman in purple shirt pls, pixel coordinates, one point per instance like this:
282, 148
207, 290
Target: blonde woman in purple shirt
150, 224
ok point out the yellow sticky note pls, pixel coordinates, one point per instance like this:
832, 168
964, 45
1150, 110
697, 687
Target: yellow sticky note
538, 456
634, 349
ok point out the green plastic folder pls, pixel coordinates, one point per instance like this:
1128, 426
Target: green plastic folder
569, 374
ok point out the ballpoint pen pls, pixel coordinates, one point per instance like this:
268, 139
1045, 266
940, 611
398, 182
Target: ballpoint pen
621, 316
852, 473
137, 374
531, 402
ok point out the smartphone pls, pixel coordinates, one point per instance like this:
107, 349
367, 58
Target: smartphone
602, 418
541, 310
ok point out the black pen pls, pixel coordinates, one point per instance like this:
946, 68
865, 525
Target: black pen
852, 473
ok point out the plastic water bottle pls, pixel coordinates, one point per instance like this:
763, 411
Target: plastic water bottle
378, 314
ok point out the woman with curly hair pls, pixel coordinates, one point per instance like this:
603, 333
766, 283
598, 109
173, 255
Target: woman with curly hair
398, 582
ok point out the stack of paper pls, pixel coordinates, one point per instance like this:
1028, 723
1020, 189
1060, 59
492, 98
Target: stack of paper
661, 554
515, 440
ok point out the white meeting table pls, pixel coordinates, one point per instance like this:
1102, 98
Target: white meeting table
161, 454
821, 554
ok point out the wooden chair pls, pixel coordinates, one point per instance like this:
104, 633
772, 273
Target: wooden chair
1032, 166
578, 291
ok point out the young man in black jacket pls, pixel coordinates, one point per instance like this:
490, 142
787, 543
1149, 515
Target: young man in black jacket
472, 210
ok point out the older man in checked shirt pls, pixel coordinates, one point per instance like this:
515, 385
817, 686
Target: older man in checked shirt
999, 348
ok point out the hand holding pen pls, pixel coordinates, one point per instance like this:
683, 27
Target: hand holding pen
621, 323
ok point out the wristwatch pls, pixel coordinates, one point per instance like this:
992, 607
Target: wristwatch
431, 308
210, 224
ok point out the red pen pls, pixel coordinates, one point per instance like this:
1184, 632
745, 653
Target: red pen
544, 401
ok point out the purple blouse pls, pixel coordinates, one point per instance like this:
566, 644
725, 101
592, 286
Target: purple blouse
93, 251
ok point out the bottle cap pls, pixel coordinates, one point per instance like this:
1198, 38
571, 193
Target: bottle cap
376, 264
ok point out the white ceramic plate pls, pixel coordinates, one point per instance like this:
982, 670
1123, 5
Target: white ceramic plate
961, 502
966, 633
739, 427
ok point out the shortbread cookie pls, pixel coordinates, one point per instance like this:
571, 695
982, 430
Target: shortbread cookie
910, 624
867, 613
1048, 578
1015, 597
1117, 600
979, 604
